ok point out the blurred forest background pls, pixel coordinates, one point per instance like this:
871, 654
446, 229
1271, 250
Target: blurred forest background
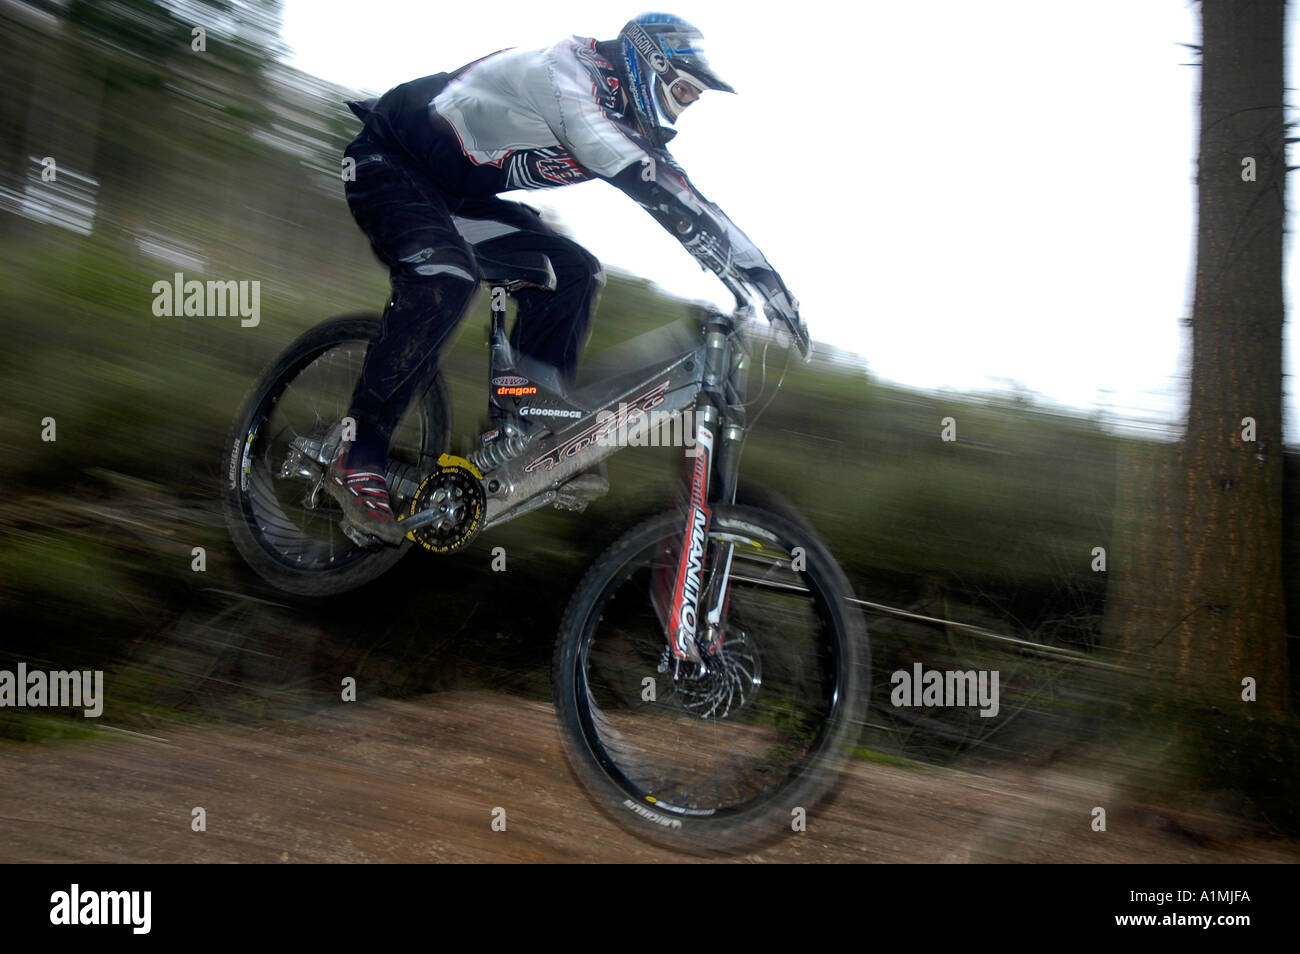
225, 164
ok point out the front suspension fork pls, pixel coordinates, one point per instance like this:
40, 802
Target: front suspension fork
697, 610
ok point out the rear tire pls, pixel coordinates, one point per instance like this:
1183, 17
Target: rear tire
297, 548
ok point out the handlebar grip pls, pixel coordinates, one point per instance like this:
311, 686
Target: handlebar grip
795, 326
802, 340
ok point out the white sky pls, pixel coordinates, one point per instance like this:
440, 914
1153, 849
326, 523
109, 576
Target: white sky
967, 194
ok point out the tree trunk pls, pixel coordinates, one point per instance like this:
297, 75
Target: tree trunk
1199, 603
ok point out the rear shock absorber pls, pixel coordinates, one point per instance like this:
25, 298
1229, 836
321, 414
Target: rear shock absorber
506, 442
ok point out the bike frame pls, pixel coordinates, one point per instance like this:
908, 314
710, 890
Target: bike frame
711, 379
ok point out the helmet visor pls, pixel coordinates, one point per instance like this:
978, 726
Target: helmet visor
685, 52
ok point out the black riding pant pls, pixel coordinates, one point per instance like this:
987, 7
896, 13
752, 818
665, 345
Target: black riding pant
427, 238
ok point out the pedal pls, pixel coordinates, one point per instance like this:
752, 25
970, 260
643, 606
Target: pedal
569, 504
363, 540
580, 491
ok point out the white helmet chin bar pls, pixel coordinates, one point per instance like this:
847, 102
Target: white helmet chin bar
668, 103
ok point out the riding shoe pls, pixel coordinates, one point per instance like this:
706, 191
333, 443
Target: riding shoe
363, 495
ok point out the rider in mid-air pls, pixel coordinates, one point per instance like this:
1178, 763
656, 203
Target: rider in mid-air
429, 166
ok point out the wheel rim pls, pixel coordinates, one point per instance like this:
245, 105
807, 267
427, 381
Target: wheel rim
293, 519
694, 749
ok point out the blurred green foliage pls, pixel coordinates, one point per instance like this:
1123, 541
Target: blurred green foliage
225, 165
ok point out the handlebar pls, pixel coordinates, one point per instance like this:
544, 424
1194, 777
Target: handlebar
797, 329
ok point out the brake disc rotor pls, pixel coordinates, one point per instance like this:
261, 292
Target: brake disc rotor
729, 686
455, 492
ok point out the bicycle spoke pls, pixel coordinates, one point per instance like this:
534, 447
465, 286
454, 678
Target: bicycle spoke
715, 742
305, 405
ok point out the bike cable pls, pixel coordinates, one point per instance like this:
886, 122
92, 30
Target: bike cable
762, 388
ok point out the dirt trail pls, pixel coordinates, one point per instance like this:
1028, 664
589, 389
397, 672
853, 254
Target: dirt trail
417, 781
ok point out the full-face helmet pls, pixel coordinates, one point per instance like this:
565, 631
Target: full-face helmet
664, 62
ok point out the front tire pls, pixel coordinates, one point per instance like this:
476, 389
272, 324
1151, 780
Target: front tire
723, 761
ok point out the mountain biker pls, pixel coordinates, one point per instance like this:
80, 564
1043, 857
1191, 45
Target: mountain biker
429, 166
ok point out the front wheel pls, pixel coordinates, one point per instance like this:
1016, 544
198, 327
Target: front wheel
723, 759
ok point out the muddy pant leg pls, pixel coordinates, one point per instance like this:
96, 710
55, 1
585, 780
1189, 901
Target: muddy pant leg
552, 326
402, 362
434, 275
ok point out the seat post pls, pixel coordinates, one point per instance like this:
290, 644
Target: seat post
500, 358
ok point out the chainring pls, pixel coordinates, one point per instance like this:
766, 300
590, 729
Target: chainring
455, 490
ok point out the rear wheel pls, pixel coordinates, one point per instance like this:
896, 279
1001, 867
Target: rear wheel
723, 759
282, 521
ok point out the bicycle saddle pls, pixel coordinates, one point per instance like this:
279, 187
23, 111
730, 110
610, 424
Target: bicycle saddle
516, 268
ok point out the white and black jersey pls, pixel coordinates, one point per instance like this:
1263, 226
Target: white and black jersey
538, 119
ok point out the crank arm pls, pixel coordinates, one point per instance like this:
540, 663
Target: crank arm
421, 519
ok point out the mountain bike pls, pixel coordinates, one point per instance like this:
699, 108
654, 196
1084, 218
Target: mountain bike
710, 670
